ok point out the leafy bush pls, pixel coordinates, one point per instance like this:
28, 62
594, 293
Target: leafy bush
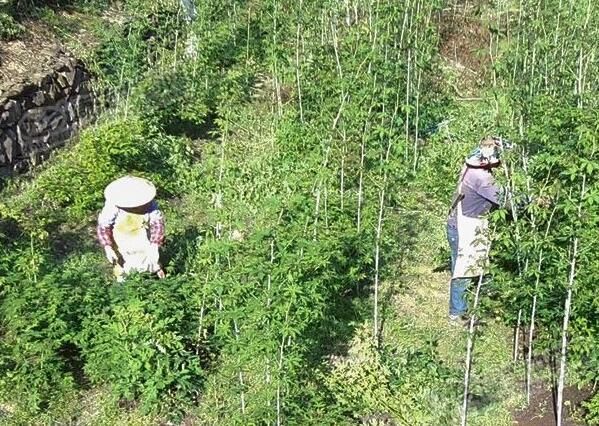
56, 330
125, 53
104, 153
400, 384
141, 345
9, 28
174, 100
41, 311
592, 409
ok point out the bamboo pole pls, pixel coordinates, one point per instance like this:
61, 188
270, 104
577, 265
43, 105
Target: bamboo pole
247, 39
297, 61
470, 346
417, 121
280, 364
268, 302
407, 104
240, 373
336, 49
563, 356
533, 312
277, 84
509, 177
362, 158
201, 318
379, 231
342, 183
376, 267
567, 308
516, 347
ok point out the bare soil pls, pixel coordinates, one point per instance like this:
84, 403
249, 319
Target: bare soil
541, 411
464, 44
30, 55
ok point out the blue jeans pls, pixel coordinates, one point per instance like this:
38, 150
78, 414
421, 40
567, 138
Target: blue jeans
458, 286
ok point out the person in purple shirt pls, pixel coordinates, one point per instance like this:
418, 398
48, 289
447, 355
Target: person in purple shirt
476, 194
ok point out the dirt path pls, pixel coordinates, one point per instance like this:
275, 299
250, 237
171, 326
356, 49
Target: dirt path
497, 390
421, 296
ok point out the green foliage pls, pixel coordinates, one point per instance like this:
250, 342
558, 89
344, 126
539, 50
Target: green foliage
111, 149
403, 384
141, 346
9, 28
41, 314
592, 408
308, 148
39, 8
175, 100
56, 330
124, 55
552, 102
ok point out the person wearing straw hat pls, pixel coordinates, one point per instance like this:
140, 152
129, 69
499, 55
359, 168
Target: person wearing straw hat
131, 227
467, 226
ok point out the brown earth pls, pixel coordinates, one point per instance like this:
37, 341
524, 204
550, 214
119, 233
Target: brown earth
541, 411
33, 53
464, 44
30, 55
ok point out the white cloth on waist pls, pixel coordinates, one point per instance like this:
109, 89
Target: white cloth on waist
132, 238
473, 245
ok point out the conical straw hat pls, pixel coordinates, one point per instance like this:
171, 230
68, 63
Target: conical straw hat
129, 192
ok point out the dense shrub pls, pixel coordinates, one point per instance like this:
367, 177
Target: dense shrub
300, 206
142, 343
9, 28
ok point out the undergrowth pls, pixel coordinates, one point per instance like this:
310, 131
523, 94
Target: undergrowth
302, 152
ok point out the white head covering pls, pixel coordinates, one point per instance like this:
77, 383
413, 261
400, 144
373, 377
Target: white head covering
486, 154
129, 192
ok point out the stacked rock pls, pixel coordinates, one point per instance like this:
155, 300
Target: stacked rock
43, 113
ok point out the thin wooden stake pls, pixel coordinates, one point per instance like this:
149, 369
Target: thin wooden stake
240, 373
376, 267
567, 308
563, 357
533, 313
515, 351
297, 62
469, 347
342, 184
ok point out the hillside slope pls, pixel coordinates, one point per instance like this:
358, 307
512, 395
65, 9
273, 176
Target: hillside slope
304, 155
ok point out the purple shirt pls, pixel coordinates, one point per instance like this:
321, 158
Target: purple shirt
480, 192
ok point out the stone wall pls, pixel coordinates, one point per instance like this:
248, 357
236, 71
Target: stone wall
43, 113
